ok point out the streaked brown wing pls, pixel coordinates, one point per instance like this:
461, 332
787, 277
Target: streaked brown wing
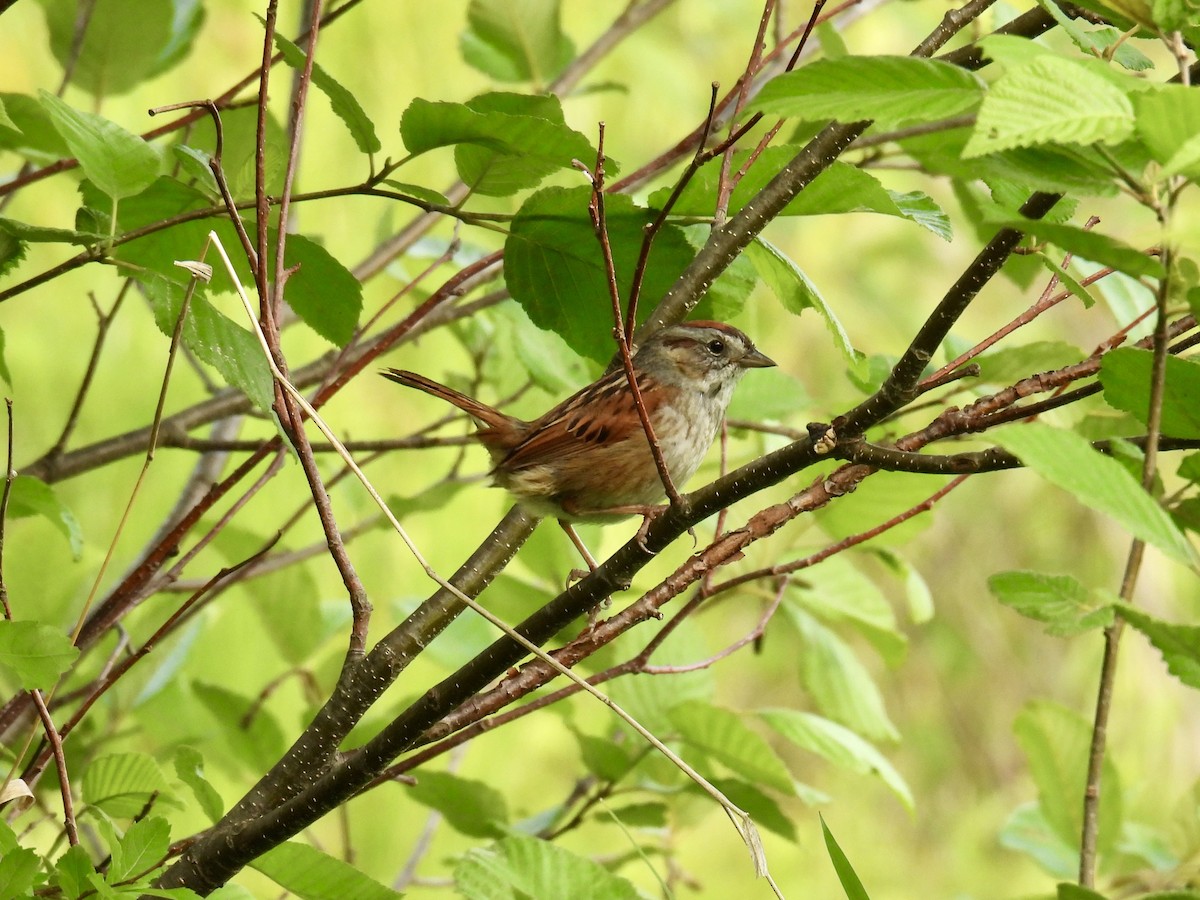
603, 413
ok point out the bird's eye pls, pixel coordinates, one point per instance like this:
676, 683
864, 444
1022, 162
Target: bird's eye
716, 346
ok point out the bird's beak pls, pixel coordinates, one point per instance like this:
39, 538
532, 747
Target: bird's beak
756, 359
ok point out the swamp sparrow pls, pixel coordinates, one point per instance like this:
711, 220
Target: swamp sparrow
588, 459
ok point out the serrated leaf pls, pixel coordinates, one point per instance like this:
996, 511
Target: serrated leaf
118, 162
471, 807
1068, 461
1125, 374
1050, 100
72, 870
122, 783
1062, 603
554, 268
189, 768
31, 497
143, 847
517, 868
839, 745
796, 291
312, 875
344, 104
892, 90
321, 290
845, 872
516, 40
538, 143
1056, 742
1178, 644
35, 653
722, 735
215, 339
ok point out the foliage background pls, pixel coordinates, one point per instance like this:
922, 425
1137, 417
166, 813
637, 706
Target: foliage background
966, 673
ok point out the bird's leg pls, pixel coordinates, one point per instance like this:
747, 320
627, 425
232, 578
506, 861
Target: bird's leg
576, 574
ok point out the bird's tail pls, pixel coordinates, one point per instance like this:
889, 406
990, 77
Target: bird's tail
481, 412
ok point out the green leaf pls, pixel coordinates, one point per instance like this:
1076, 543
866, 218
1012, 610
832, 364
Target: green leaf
892, 90
17, 871
1050, 100
293, 613
762, 808
1056, 742
122, 783
32, 133
1125, 374
840, 188
522, 868
72, 871
1028, 832
123, 44
189, 768
312, 875
538, 144
846, 875
31, 497
722, 735
1008, 366
321, 290
796, 291
771, 394
847, 594
603, 758
214, 338
503, 142
119, 163
1178, 644
143, 847
37, 234
516, 40
250, 731
471, 807
1089, 245
1065, 605
838, 682
12, 251
554, 268
345, 105
34, 653
1068, 891
1068, 461
839, 745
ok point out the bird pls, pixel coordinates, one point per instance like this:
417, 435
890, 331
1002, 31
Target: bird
587, 459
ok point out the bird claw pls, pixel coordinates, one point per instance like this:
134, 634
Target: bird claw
649, 515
